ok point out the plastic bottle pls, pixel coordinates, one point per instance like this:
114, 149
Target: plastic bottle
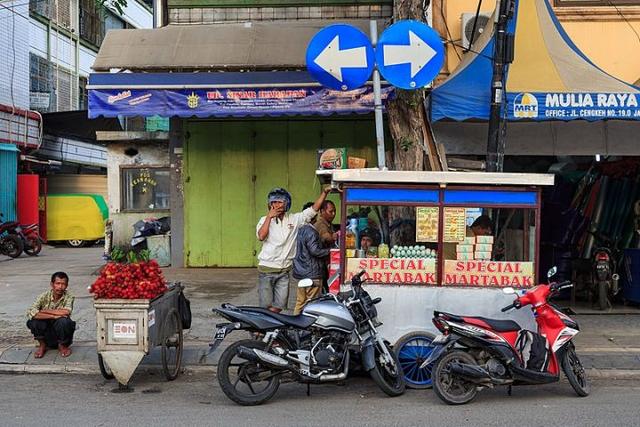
353, 227
349, 239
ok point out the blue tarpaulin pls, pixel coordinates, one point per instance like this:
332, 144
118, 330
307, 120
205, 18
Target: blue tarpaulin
221, 94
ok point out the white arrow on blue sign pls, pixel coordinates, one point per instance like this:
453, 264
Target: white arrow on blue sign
340, 57
409, 54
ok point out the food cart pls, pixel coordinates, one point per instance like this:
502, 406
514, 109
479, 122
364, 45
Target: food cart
422, 254
128, 329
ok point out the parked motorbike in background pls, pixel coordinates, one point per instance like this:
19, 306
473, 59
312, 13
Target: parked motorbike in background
604, 276
313, 347
475, 352
10, 243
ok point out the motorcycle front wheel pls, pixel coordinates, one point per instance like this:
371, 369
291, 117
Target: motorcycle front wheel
387, 375
245, 382
452, 389
575, 372
12, 245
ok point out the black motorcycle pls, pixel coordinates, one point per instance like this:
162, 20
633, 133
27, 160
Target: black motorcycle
313, 347
604, 276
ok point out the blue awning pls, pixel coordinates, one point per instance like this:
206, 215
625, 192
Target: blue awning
221, 94
549, 79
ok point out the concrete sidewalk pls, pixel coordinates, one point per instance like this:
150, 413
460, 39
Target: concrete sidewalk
609, 345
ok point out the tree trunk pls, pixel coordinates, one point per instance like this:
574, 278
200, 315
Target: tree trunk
406, 119
408, 128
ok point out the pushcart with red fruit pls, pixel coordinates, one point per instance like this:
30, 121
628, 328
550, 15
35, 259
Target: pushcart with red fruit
136, 311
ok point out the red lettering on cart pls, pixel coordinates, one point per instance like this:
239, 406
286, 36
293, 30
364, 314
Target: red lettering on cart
377, 276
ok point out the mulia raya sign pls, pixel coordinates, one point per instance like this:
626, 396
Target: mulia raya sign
571, 106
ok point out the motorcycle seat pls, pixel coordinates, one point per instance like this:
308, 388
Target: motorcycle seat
299, 321
495, 324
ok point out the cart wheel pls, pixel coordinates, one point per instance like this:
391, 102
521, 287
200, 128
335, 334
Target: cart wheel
104, 368
172, 345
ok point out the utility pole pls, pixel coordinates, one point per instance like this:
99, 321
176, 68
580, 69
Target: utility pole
503, 54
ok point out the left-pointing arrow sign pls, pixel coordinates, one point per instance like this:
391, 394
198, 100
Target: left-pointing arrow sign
340, 57
333, 60
417, 53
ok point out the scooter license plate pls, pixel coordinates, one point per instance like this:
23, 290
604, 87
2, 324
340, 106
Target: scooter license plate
440, 339
221, 333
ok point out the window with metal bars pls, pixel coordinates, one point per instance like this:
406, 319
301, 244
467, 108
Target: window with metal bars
91, 22
41, 84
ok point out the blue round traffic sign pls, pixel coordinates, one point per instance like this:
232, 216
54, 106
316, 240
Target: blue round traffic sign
409, 54
340, 57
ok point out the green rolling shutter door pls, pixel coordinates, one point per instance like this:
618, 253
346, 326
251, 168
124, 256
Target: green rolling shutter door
231, 166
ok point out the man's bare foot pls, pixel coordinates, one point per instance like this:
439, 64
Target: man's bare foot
42, 349
64, 350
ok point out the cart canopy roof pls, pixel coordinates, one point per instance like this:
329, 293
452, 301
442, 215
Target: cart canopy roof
428, 177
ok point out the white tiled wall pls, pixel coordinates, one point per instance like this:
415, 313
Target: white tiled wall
14, 53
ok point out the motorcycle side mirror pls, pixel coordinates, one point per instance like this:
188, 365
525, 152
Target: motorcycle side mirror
552, 272
508, 291
305, 283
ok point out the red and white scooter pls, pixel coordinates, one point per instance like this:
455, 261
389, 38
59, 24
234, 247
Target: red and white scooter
475, 352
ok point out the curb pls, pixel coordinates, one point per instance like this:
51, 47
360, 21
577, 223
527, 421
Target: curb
5, 368
87, 369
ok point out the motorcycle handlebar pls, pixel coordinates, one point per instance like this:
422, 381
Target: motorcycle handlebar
561, 285
509, 307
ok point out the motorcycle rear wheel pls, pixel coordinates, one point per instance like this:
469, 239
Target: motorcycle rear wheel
575, 373
603, 289
237, 376
12, 244
390, 379
34, 247
452, 389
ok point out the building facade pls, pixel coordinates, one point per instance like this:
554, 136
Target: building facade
47, 48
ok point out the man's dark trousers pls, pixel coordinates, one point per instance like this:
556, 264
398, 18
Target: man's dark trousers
53, 331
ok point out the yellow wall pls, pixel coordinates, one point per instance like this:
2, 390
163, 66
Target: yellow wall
604, 37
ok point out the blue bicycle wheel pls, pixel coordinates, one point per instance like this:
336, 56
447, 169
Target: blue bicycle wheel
413, 349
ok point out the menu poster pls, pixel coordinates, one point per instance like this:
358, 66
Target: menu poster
455, 229
426, 224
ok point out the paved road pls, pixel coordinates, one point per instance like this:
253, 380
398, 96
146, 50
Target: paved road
86, 400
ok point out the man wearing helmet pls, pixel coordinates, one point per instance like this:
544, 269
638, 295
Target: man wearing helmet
277, 231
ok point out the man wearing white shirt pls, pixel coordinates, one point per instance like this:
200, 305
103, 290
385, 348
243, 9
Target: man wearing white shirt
277, 231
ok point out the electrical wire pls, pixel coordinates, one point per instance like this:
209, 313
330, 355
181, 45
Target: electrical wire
14, 12
14, 5
446, 26
625, 19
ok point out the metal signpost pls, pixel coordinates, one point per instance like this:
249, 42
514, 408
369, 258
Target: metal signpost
409, 55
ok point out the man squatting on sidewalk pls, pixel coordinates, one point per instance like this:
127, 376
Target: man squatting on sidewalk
277, 231
49, 317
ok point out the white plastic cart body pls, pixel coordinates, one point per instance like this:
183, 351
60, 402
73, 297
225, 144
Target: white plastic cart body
128, 329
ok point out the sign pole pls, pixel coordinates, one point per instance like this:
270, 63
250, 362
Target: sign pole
377, 100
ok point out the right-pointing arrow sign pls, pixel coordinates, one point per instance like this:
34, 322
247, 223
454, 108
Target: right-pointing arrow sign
417, 53
409, 54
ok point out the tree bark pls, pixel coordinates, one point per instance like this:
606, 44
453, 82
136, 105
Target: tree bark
407, 125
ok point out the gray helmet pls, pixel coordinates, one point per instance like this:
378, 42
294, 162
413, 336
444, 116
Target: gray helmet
280, 195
